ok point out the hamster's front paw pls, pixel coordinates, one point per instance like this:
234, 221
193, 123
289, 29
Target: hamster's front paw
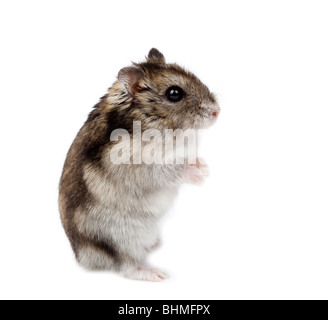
196, 173
146, 274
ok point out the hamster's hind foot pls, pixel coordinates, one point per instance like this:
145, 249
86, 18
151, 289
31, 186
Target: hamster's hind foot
145, 274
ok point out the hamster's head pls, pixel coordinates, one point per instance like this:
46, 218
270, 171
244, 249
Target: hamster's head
169, 95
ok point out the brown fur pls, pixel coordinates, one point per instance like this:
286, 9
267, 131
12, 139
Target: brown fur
139, 94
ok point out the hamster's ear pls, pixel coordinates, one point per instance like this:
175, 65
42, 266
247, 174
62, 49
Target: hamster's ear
130, 77
156, 56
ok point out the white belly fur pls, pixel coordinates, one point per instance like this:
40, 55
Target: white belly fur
129, 222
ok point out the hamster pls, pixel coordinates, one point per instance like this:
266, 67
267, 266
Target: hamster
110, 211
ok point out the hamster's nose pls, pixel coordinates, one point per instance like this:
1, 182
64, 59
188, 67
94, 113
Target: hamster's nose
216, 113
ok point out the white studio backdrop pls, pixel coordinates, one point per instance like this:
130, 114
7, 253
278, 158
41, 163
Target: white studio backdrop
257, 229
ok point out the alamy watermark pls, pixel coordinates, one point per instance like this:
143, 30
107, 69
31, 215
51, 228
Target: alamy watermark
153, 146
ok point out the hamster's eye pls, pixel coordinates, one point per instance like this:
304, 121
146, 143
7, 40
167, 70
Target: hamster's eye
174, 94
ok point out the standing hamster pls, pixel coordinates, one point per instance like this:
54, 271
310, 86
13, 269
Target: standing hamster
114, 189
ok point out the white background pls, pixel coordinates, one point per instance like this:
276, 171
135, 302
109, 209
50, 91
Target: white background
258, 228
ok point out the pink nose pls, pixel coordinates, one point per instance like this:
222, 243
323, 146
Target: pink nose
215, 114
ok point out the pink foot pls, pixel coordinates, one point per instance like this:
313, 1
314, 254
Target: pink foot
196, 173
146, 274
